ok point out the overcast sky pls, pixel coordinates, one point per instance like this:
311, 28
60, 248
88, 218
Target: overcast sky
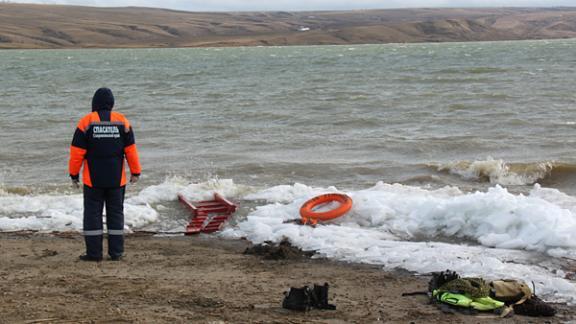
263, 5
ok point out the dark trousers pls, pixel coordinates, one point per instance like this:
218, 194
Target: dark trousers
94, 201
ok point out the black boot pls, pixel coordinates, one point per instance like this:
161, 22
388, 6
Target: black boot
297, 299
319, 298
85, 257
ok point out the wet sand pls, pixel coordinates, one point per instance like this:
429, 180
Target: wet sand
201, 279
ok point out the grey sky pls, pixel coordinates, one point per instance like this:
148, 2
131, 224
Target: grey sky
262, 5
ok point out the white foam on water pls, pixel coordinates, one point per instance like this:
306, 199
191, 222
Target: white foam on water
542, 220
287, 193
60, 212
384, 217
171, 187
47, 213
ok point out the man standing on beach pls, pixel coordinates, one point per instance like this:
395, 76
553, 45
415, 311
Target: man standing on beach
102, 140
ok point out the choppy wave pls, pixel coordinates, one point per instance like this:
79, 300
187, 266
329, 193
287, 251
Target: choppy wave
393, 225
474, 70
507, 173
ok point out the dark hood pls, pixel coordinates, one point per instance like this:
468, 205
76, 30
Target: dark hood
103, 100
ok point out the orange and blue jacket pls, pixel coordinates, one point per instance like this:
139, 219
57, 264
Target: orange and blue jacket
102, 140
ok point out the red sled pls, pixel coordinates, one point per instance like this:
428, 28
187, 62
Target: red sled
208, 216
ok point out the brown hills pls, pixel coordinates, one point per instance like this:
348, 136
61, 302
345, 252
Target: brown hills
55, 26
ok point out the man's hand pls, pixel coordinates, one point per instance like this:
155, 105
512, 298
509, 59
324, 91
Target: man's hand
76, 183
134, 178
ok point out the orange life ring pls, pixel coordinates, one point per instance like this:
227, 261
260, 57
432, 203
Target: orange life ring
310, 216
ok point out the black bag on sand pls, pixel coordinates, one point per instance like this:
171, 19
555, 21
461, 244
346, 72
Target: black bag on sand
319, 298
534, 307
297, 299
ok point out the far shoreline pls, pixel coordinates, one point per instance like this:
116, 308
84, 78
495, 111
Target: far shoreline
25, 26
280, 46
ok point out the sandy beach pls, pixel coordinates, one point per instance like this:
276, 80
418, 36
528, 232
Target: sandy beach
200, 279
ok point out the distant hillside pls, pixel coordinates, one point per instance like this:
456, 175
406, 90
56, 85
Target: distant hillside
54, 26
